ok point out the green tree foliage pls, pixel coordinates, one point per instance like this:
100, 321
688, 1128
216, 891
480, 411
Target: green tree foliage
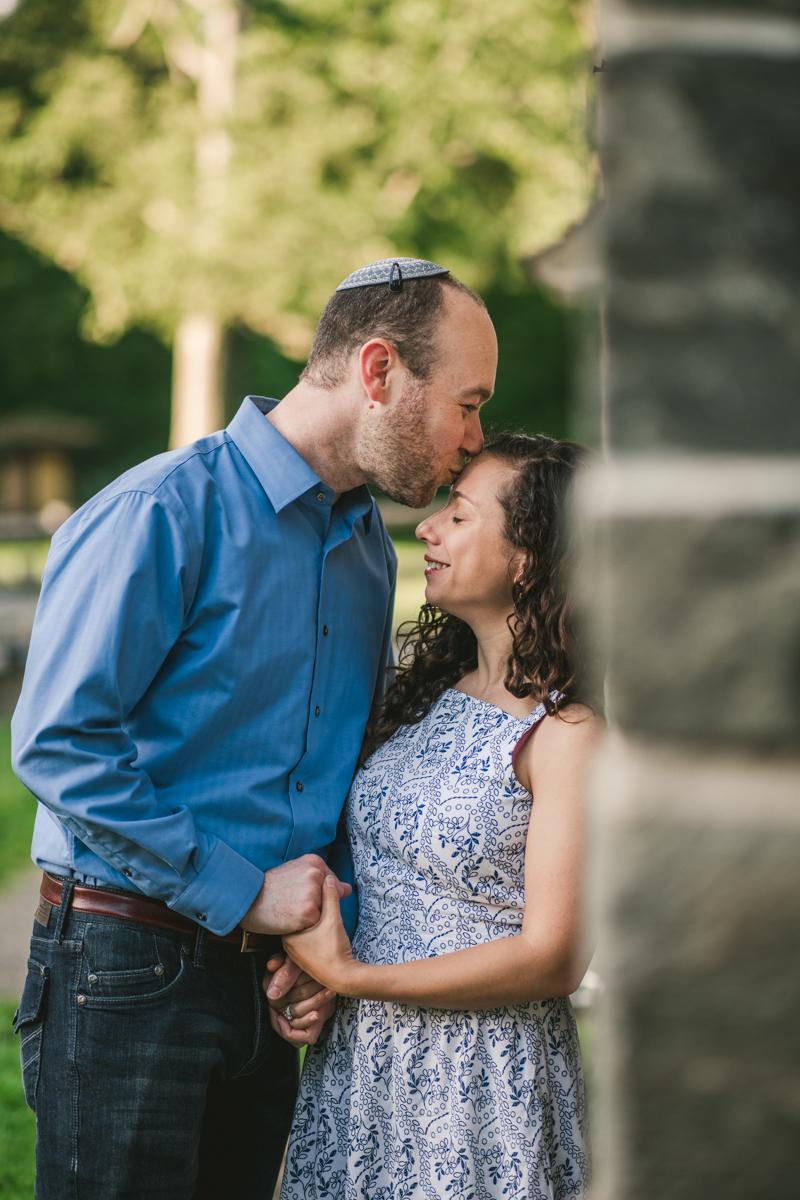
46, 367
533, 373
448, 128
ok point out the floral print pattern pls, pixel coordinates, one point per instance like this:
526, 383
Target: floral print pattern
400, 1102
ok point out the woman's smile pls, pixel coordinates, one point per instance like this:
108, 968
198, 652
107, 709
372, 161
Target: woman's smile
434, 566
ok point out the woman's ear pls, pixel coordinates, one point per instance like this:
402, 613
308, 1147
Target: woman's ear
516, 567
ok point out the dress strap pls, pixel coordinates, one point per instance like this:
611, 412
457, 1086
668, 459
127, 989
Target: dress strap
538, 715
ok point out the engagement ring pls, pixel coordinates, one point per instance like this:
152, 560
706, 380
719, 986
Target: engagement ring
287, 1012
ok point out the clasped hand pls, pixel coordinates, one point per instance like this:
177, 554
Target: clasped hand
319, 954
292, 898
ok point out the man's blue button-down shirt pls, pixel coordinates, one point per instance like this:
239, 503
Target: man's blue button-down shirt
211, 634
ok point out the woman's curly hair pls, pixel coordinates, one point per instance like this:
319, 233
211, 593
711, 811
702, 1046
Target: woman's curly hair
438, 649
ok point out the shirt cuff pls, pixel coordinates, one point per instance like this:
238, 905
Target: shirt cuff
221, 893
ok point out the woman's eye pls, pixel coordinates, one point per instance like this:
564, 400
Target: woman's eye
457, 520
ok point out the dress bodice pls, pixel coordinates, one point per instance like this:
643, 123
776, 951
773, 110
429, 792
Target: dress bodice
399, 1102
438, 823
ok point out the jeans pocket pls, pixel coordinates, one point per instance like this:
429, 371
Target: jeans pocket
127, 966
28, 1021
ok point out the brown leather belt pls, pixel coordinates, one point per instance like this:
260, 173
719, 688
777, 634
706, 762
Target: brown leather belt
148, 911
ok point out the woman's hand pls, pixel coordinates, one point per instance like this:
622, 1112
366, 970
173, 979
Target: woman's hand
302, 1030
323, 951
287, 987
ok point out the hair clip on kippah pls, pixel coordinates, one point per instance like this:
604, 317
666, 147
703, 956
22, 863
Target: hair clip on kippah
394, 271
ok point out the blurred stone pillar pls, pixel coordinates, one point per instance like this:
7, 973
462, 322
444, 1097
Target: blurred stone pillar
695, 535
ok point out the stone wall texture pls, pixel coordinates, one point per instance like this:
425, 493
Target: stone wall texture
692, 583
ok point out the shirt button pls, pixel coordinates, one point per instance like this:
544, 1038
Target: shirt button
316, 711
299, 786
324, 630
127, 871
201, 916
92, 978
81, 999
320, 495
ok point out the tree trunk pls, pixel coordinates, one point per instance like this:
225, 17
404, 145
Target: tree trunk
197, 408
209, 58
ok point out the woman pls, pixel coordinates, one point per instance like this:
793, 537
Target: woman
451, 1067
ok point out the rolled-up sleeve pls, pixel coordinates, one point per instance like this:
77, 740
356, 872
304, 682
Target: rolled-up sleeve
115, 592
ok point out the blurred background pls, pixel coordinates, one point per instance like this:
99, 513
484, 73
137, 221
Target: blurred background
184, 182
182, 185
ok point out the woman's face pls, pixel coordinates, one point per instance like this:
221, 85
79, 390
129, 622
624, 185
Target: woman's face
471, 566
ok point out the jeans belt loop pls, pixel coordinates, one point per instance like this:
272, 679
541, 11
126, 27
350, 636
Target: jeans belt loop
200, 946
67, 888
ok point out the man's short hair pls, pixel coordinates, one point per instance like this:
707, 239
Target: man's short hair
408, 319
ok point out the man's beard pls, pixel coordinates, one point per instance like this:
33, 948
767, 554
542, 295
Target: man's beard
401, 460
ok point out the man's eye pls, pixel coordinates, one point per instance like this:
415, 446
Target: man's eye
470, 408
457, 520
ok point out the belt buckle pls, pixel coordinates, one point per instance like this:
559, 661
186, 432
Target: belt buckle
244, 948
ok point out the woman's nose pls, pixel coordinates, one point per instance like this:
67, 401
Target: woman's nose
424, 531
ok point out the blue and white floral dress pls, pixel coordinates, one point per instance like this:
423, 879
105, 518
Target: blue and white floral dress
398, 1102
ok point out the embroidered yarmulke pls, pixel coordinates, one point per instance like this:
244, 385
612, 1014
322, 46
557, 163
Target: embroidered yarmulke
392, 271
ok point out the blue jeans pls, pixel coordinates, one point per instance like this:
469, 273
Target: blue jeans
150, 1062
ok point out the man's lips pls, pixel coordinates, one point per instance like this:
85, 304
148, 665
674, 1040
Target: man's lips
454, 471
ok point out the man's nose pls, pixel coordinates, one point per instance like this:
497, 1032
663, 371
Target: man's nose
473, 436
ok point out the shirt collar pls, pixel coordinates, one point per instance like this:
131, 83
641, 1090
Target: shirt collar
283, 473
280, 470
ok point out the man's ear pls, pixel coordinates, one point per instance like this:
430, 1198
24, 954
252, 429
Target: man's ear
376, 359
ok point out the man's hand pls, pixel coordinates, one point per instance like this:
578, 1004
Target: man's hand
291, 896
285, 984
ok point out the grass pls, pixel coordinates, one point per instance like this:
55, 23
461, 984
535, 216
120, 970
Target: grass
17, 813
17, 1122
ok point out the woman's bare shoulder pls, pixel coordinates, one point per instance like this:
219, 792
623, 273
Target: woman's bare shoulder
577, 714
574, 725
569, 736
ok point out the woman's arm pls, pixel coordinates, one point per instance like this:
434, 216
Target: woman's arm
545, 959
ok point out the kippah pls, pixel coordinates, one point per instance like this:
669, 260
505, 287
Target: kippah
392, 271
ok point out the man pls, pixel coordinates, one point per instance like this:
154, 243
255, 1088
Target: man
212, 631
